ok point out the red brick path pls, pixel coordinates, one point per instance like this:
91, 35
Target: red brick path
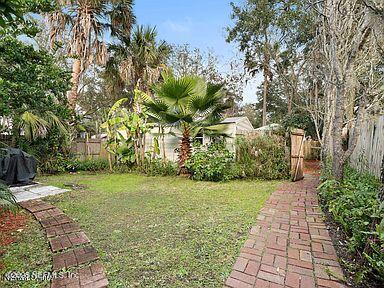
290, 245
70, 247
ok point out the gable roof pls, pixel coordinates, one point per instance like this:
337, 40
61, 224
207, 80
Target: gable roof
234, 119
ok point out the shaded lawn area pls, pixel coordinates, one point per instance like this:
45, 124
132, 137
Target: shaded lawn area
163, 231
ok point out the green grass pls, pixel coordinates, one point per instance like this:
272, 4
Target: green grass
163, 231
30, 253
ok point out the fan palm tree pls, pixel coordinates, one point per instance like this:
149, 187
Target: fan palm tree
84, 25
188, 103
139, 59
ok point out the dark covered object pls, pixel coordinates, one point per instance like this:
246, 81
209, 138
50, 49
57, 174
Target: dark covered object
16, 166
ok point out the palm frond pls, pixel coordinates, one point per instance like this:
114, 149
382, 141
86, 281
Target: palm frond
33, 126
56, 122
7, 200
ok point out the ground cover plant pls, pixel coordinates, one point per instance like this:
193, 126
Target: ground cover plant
163, 231
355, 205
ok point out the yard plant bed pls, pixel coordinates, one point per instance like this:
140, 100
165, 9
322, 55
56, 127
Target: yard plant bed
163, 231
346, 257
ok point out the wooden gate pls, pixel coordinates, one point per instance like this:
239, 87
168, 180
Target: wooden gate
297, 154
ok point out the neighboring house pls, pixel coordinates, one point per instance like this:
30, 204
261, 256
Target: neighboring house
231, 127
268, 128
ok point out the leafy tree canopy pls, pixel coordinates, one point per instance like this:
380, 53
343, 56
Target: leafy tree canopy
15, 15
30, 81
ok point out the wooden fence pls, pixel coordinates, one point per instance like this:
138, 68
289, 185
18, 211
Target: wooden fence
89, 149
369, 151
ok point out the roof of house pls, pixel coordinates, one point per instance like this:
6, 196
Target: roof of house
234, 119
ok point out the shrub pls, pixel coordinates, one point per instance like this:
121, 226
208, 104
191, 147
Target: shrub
262, 157
354, 203
98, 164
154, 167
7, 200
63, 163
212, 163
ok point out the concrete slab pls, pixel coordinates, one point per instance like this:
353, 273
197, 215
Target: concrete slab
24, 193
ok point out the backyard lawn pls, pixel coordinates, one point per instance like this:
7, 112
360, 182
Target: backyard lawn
158, 231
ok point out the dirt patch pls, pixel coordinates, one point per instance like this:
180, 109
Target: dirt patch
312, 167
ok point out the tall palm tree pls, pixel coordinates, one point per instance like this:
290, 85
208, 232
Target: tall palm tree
84, 26
188, 103
139, 59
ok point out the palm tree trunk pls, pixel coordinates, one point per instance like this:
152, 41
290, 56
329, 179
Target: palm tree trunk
72, 94
185, 150
265, 92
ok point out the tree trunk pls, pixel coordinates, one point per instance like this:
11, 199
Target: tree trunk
163, 143
185, 150
265, 92
337, 129
72, 94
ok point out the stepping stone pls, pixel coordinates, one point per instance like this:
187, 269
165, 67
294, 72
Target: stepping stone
62, 229
67, 241
74, 257
92, 276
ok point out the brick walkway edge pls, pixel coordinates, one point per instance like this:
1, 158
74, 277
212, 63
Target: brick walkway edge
70, 246
290, 245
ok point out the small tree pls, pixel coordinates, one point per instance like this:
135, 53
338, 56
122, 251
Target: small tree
189, 104
126, 131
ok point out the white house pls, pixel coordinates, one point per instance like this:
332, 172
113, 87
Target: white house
231, 127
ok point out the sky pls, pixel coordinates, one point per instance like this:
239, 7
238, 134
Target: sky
199, 23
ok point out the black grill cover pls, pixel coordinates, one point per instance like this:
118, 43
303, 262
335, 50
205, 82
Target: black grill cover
16, 166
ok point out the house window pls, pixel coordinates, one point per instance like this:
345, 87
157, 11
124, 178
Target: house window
199, 139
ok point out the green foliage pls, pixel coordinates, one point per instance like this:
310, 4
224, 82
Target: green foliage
212, 163
300, 120
93, 165
126, 129
355, 205
69, 163
262, 157
15, 18
159, 167
33, 95
7, 200
188, 103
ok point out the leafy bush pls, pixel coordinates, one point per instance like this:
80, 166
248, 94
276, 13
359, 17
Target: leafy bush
7, 200
355, 205
98, 164
63, 163
301, 120
154, 167
262, 157
212, 163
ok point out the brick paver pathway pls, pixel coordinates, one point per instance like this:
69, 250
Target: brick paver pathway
290, 245
70, 246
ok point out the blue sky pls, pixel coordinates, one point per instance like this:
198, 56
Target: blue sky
200, 23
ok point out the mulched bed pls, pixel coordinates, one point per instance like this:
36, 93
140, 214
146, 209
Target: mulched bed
340, 239
10, 224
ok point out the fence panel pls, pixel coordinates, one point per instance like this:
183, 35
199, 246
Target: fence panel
369, 150
89, 149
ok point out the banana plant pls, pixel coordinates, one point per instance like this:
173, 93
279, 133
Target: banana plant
126, 129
